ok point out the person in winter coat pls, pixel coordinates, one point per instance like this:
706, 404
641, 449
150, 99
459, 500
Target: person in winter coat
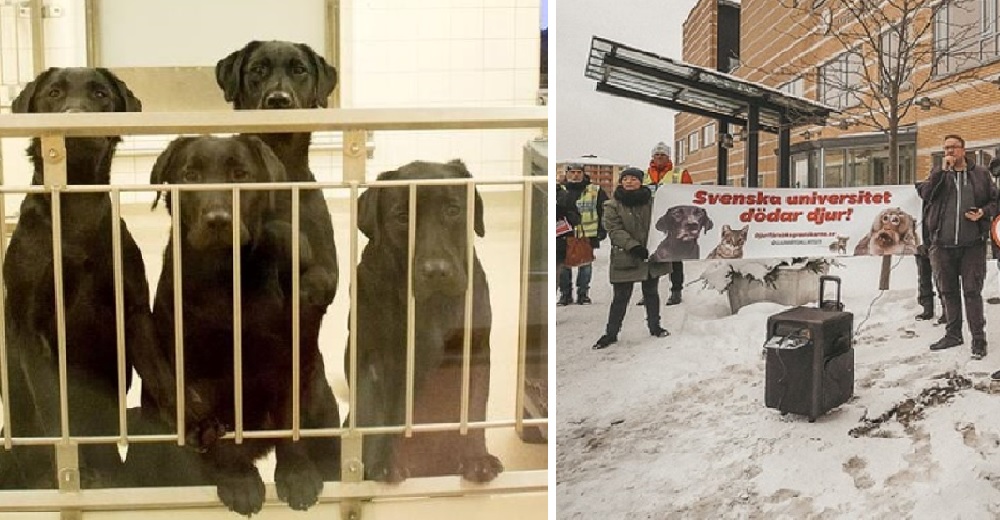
661, 171
626, 218
960, 200
590, 200
565, 211
925, 278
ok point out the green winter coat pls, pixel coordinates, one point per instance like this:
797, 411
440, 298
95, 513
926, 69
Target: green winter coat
627, 227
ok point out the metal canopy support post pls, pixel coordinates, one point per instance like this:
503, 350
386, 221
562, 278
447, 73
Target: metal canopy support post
784, 154
722, 157
753, 140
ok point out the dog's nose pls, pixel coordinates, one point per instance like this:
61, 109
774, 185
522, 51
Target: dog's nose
218, 219
279, 99
432, 270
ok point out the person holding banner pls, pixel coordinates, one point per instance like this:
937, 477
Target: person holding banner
590, 200
961, 201
626, 218
661, 171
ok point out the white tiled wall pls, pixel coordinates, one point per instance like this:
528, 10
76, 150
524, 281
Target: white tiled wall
395, 53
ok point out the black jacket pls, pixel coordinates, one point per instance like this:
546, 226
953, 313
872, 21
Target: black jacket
935, 193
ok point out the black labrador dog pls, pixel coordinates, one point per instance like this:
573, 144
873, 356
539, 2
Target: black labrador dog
440, 277
277, 75
682, 227
207, 236
88, 288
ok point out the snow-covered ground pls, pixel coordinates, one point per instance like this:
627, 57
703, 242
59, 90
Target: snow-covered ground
676, 427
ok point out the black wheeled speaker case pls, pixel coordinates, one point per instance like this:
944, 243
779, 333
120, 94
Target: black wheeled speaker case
814, 378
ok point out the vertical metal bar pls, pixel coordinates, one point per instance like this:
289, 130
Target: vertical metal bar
522, 343
470, 240
237, 319
410, 311
296, 321
92, 27
355, 155
17, 46
176, 237
53, 150
352, 344
68, 462
37, 38
332, 42
116, 255
4, 367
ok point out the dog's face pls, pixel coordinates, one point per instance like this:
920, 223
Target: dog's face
439, 260
890, 228
76, 90
207, 216
684, 223
275, 75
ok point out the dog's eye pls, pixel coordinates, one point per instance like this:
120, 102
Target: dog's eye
191, 175
299, 69
258, 70
55, 93
452, 211
100, 94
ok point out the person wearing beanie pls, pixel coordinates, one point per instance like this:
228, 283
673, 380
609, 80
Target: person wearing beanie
660, 172
590, 200
626, 218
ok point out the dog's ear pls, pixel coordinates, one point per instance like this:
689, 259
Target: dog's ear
326, 75
229, 71
368, 207
129, 103
164, 167
479, 224
706, 221
663, 223
24, 102
275, 169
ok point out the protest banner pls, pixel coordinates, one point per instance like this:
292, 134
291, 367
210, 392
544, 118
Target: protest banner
720, 222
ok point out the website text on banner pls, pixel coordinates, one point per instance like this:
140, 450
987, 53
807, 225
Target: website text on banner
692, 222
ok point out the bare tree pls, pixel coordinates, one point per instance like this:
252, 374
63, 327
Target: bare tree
893, 53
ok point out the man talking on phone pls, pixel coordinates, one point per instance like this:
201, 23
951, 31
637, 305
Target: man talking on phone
961, 201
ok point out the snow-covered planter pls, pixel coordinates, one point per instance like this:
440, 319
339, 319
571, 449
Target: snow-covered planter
788, 281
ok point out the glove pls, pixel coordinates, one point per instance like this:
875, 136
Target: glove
595, 243
601, 234
639, 252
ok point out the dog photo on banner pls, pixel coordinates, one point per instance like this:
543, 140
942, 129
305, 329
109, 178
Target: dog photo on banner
721, 222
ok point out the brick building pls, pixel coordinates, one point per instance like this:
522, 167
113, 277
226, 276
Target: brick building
797, 51
601, 171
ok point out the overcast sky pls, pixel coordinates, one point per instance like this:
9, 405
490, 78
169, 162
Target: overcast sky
589, 122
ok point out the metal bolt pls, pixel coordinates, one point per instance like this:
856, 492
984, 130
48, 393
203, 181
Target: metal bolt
355, 148
53, 153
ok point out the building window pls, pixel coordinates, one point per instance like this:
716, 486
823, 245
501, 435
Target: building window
889, 48
679, 145
988, 34
964, 35
708, 135
796, 87
840, 80
693, 142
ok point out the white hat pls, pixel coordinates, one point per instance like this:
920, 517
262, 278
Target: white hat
660, 147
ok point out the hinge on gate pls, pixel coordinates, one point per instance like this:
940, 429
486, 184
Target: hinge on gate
24, 9
352, 469
68, 473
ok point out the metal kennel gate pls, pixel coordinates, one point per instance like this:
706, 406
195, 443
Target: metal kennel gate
352, 496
